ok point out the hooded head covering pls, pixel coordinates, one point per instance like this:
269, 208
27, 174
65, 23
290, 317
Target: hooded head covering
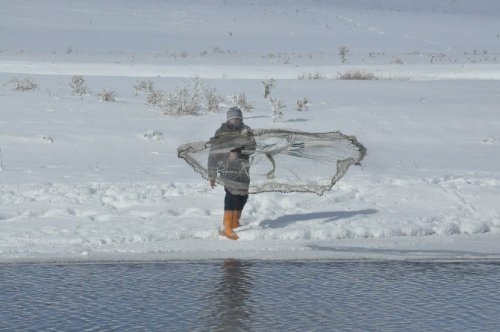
234, 113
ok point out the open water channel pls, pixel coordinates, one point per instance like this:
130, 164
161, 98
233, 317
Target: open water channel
237, 295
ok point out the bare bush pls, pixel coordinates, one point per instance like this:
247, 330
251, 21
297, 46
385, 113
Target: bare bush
190, 99
107, 95
154, 135
143, 86
79, 86
343, 53
277, 106
240, 101
185, 101
47, 139
268, 85
25, 84
217, 50
309, 76
357, 75
153, 96
212, 99
302, 105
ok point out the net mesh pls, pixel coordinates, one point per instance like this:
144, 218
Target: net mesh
275, 160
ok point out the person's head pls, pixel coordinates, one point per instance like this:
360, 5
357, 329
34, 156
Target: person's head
234, 117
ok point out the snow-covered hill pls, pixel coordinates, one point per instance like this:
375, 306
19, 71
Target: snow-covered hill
82, 179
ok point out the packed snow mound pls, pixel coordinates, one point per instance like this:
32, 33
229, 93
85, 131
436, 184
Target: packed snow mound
85, 220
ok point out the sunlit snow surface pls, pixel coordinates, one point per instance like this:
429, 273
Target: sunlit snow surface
84, 180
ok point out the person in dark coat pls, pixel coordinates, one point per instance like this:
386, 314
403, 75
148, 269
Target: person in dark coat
229, 161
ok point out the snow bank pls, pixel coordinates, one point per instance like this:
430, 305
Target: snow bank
86, 221
253, 72
84, 180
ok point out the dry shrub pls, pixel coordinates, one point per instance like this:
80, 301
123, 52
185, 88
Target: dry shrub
302, 105
268, 86
78, 86
25, 84
240, 101
309, 76
190, 99
107, 95
343, 53
277, 106
357, 75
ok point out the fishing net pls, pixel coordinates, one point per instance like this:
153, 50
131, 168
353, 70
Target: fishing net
274, 160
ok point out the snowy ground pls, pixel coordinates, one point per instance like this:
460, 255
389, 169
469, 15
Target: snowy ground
85, 180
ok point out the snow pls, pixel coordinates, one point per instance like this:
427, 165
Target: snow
84, 180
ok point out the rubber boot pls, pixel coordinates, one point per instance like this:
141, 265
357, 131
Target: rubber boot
236, 218
228, 226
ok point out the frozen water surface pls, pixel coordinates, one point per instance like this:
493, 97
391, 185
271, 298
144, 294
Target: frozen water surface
252, 295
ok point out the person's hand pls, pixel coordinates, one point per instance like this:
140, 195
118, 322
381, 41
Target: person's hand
233, 156
212, 183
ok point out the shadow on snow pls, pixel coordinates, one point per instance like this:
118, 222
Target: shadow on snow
330, 216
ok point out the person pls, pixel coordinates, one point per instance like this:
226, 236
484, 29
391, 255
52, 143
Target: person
229, 161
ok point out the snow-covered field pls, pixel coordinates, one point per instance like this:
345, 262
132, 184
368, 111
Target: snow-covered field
86, 180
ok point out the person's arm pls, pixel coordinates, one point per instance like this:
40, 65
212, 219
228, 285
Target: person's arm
213, 160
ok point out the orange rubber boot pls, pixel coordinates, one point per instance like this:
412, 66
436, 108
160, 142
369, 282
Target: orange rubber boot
228, 226
236, 218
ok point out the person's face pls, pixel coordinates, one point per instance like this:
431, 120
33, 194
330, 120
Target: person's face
235, 122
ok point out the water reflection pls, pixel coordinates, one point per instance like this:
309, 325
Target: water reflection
231, 308
252, 296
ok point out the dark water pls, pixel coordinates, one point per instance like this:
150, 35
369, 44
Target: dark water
252, 296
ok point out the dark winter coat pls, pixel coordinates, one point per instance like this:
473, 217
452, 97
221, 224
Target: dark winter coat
235, 174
